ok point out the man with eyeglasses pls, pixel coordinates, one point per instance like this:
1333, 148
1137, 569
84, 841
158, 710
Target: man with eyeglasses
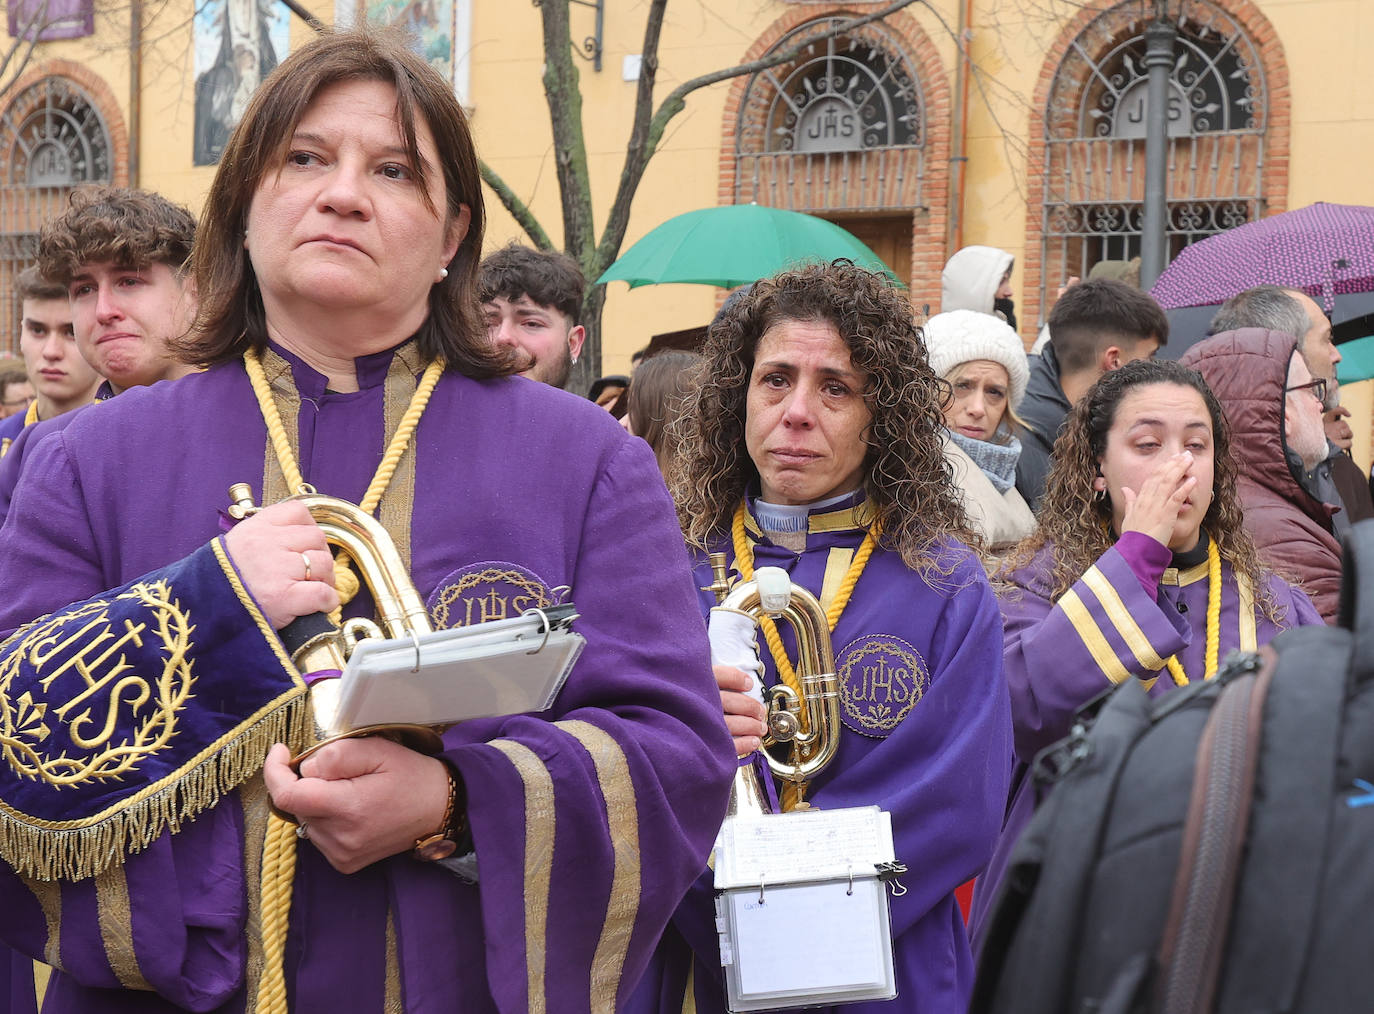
1274, 407
1335, 479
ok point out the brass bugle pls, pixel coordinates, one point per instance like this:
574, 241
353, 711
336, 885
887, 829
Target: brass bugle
807, 725
316, 644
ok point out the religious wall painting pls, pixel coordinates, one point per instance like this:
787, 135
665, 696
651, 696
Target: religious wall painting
237, 44
429, 24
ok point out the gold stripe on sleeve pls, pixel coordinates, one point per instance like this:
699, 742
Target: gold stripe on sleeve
49, 895
1122, 619
836, 567
539, 830
117, 927
253, 799
392, 1004
1092, 638
622, 821
1246, 604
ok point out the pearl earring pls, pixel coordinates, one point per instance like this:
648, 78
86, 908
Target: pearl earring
443, 273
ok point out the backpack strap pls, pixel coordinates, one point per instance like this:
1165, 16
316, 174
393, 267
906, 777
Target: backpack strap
1195, 932
1356, 610
1046, 882
1277, 900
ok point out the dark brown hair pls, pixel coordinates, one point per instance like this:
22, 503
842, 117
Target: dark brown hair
549, 278
656, 395
1095, 314
907, 480
129, 228
32, 285
1077, 524
231, 318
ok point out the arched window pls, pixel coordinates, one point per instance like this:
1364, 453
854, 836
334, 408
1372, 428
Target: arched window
1094, 153
840, 127
52, 138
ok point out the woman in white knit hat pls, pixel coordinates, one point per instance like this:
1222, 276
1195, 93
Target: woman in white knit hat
985, 364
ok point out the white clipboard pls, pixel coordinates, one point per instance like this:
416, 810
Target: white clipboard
503, 667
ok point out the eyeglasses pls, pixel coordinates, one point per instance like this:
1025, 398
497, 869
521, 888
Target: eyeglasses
1317, 387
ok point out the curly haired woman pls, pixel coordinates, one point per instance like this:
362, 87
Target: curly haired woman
815, 445
1141, 567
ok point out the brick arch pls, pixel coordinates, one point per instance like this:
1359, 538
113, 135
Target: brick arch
101, 96
928, 233
1273, 170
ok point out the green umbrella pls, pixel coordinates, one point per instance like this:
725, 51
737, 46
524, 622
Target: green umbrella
1357, 360
735, 244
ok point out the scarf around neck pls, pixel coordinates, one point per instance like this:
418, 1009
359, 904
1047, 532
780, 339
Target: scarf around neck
996, 461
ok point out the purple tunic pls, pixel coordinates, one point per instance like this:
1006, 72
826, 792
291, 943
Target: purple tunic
1129, 612
927, 736
589, 822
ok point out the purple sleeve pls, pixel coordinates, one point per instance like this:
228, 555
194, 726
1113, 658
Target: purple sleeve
624, 791
943, 774
171, 917
1295, 608
1059, 655
1148, 559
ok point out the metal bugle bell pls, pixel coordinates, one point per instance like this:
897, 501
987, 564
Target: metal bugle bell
808, 725
317, 645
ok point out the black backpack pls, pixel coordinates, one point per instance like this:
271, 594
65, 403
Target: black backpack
1209, 850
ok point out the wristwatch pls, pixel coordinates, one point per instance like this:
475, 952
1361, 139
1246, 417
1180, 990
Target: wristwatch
444, 842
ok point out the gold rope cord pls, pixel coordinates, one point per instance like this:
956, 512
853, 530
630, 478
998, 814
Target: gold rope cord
744, 562
279, 851
1213, 643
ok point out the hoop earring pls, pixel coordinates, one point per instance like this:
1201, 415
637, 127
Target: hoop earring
1100, 495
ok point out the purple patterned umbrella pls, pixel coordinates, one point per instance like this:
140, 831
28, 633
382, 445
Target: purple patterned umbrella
1324, 249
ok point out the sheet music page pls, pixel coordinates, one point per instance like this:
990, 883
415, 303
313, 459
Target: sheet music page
807, 845
842, 946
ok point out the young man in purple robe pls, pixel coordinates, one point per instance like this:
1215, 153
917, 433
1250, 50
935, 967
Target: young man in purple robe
63, 380
814, 445
146, 681
1142, 567
119, 257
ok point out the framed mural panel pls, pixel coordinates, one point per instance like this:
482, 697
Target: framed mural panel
429, 22
237, 44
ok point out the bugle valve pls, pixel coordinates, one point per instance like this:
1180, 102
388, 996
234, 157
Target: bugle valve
805, 721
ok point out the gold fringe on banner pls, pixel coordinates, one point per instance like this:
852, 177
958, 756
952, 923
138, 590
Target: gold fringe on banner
52, 850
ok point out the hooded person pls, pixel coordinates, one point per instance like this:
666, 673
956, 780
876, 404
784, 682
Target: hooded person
979, 278
1274, 407
984, 362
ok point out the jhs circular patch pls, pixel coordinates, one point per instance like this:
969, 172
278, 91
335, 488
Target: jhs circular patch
881, 678
493, 590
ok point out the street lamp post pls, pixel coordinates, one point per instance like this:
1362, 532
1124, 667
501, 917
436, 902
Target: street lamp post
1160, 36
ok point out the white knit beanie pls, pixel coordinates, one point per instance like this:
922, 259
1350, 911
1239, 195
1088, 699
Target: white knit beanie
961, 336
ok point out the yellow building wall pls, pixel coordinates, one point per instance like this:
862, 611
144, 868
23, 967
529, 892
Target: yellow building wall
1332, 121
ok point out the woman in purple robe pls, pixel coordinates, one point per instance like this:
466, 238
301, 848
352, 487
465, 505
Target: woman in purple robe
1141, 567
145, 679
814, 445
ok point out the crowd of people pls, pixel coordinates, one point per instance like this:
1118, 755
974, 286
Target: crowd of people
995, 537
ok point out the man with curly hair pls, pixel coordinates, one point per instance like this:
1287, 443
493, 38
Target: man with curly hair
121, 257
814, 444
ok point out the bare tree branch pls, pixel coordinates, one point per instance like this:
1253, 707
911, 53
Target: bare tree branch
23, 46
518, 209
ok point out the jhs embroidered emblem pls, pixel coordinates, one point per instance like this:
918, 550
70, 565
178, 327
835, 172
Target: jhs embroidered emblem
486, 591
881, 678
90, 715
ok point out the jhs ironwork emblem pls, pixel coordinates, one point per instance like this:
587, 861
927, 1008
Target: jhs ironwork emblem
881, 678
486, 591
